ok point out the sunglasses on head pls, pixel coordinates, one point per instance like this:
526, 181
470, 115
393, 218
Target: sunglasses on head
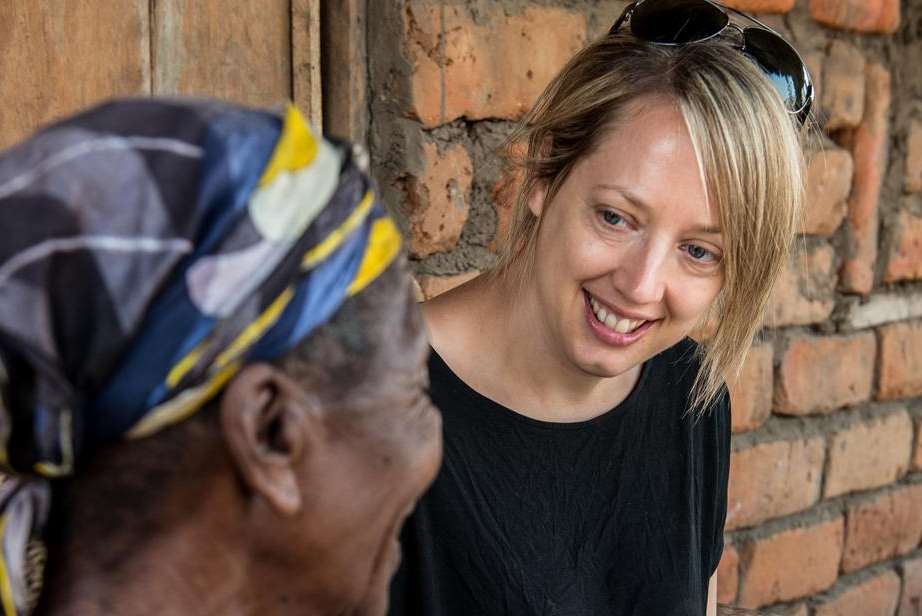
680, 22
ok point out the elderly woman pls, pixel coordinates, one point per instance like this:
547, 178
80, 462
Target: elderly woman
212, 370
586, 435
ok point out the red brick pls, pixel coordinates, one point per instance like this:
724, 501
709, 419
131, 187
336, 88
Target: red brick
843, 94
829, 180
438, 199
751, 393
869, 152
911, 597
504, 194
873, 596
728, 575
887, 526
912, 180
821, 374
904, 261
790, 564
900, 360
436, 285
868, 454
761, 6
815, 60
774, 479
477, 70
805, 292
881, 16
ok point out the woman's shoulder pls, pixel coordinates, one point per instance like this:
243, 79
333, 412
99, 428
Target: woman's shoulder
447, 318
685, 350
679, 366
680, 362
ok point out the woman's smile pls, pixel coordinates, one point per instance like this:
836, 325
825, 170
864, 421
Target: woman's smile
611, 327
624, 254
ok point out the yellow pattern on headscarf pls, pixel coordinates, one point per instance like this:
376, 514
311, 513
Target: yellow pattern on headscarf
295, 149
183, 405
331, 242
184, 365
257, 328
383, 246
66, 467
6, 589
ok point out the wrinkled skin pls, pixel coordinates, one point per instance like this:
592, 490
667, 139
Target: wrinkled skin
289, 499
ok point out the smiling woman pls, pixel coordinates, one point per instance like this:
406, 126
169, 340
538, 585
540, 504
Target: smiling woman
586, 436
744, 153
629, 247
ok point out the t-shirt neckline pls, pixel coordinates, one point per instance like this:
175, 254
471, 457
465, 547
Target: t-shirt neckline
500, 411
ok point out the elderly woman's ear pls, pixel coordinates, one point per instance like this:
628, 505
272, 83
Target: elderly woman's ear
269, 427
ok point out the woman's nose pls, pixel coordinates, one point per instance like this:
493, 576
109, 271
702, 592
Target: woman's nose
641, 277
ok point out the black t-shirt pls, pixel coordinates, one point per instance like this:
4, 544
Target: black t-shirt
621, 514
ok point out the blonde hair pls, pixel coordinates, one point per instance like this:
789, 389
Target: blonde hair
748, 149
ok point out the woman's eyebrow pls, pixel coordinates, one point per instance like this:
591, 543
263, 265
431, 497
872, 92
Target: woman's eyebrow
707, 230
641, 204
624, 192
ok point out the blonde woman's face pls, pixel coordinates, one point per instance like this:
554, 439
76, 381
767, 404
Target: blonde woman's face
629, 252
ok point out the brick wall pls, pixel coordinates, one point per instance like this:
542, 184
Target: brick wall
825, 504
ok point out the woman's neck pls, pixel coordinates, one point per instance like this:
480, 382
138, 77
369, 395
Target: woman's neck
492, 335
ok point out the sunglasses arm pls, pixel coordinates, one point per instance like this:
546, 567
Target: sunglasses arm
624, 16
741, 14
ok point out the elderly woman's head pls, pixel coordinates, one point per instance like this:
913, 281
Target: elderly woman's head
691, 168
208, 335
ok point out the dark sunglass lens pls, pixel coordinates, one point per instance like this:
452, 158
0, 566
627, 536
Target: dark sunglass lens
783, 66
676, 22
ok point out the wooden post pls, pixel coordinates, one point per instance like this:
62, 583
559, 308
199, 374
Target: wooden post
305, 59
344, 69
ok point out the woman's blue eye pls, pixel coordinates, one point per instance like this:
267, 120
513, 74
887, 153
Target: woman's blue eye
700, 253
612, 218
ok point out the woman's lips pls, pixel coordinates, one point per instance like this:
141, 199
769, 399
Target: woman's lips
609, 336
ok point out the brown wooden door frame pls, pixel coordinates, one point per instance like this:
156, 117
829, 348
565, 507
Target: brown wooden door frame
344, 68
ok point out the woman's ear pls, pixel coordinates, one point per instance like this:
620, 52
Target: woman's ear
269, 429
536, 198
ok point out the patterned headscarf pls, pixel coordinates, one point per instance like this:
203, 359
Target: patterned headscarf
149, 249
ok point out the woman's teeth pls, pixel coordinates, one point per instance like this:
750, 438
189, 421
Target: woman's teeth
611, 320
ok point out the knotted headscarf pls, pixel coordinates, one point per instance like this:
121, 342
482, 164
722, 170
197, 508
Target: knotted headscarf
148, 249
